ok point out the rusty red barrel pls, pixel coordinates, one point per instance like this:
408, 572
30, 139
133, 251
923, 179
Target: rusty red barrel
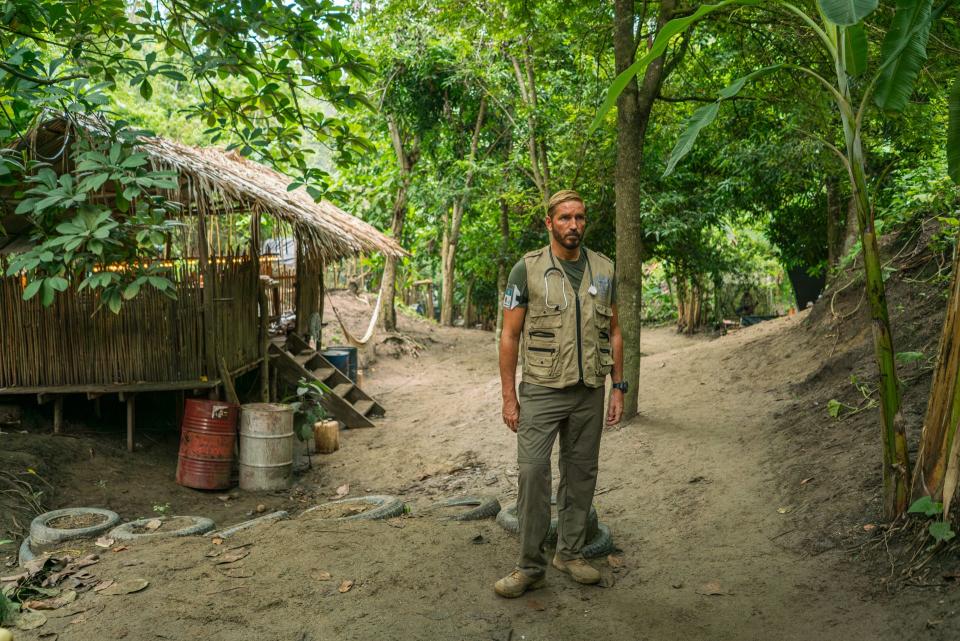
207, 438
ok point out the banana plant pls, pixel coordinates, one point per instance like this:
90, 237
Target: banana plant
839, 28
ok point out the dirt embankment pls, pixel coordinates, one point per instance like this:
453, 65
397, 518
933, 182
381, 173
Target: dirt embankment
719, 496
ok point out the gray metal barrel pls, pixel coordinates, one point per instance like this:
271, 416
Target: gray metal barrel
266, 446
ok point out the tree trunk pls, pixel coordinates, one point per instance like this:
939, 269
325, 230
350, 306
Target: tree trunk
633, 114
681, 292
502, 266
835, 222
431, 310
405, 163
536, 149
449, 258
468, 305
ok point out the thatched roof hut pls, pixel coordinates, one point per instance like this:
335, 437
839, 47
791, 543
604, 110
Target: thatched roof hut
212, 182
215, 327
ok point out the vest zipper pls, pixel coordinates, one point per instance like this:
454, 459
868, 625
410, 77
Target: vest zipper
579, 339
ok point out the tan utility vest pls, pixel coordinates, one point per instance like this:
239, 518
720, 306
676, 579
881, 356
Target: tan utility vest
566, 334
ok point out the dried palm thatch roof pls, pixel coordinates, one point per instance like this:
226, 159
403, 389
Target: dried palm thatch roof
216, 181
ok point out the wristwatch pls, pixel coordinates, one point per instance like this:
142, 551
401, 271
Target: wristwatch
622, 386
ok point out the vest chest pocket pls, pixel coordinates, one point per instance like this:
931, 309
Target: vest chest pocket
542, 344
603, 316
543, 319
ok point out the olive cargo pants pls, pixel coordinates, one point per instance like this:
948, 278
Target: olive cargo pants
576, 414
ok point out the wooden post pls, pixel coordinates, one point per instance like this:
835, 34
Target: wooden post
208, 271
308, 289
58, 415
264, 343
131, 419
320, 301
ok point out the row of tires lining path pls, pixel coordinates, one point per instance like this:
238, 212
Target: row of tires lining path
599, 543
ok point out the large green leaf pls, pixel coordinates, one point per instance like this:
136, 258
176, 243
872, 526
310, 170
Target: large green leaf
669, 30
903, 53
855, 49
734, 87
847, 12
700, 119
704, 116
953, 133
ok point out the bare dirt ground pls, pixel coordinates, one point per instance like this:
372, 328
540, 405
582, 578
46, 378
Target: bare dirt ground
694, 491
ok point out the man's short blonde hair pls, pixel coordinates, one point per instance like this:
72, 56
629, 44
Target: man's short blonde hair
562, 196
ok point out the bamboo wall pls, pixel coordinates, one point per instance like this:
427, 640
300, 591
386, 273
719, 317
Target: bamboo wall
152, 340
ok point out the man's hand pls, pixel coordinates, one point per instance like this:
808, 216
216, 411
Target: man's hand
511, 413
615, 407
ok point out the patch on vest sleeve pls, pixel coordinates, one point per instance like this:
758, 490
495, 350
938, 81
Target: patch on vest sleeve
511, 297
602, 283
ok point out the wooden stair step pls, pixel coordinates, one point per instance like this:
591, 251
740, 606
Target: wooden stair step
323, 373
343, 389
303, 358
364, 406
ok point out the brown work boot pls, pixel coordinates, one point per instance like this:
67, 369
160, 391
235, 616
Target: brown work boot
516, 583
579, 569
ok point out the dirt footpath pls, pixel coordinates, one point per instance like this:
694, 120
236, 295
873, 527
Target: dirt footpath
688, 489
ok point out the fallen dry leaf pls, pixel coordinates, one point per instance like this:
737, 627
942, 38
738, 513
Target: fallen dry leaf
217, 540
120, 548
805, 481
711, 588
152, 525
126, 586
869, 527
345, 586
233, 557
533, 604
784, 510
321, 576
69, 596
343, 490
31, 620
103, 585
104, 542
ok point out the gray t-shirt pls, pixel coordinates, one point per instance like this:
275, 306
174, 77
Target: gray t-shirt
517, 292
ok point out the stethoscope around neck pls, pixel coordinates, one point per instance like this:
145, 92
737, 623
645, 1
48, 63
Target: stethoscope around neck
554, 269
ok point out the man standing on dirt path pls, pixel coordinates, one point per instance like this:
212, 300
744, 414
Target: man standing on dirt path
561, 300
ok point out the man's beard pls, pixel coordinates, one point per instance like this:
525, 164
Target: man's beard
569, 242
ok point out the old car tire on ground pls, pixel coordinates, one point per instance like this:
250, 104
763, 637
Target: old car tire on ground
600, 545
387, 507
126, 532
42, 534
507, 518
487, 507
